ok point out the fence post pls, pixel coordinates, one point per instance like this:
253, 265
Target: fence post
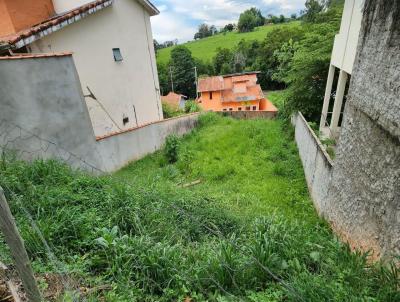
18, 251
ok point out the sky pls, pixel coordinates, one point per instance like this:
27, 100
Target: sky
179, 19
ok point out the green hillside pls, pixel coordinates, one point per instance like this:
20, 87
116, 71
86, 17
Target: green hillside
205, 49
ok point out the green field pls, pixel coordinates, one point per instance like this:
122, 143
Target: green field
245, 231
205, 49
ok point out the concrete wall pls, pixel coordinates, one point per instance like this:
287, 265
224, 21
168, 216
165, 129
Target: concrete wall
316, 162
250, 114
43, 115
120, 149
120, 87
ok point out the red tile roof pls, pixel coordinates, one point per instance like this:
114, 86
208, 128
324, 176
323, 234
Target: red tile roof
172, 99
211, 84
35, 56
51, 25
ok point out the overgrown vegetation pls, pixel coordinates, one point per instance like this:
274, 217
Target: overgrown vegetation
149, 238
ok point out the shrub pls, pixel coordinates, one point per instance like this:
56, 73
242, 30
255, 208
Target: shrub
168, 111
192, 106
171, 149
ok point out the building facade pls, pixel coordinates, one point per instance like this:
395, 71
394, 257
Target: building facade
342, 61
236, 92
112, 46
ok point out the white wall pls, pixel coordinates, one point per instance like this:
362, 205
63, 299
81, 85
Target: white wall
61, 6
345, 47
118, 86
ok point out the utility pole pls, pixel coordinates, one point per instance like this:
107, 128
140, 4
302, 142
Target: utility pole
195, 76
172, 79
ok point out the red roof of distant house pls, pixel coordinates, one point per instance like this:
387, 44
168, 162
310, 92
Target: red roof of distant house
173, 99
51, 25
218, 83
211, 84
172, 96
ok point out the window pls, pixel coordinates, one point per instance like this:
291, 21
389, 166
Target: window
224, 109
211, 95
125, 120
230, 109
248, 108
117, 55
254, 108
240, 108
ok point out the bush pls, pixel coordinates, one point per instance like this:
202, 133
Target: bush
192, 106
169, 112
250, 19
171, 149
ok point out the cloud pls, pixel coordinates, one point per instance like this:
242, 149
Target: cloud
168, 26
179, 19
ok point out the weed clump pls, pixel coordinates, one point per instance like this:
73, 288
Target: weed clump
172, 149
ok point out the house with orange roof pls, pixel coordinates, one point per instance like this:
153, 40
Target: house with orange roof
234, 92
112, 47
174, 100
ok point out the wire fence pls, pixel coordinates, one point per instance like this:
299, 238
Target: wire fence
10, 140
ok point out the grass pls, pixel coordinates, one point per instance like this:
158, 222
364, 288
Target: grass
277, 97
150, 238
205, 49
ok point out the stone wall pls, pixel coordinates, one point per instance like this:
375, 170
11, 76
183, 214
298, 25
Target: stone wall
360, 194
364, 196
43, 115
364, 203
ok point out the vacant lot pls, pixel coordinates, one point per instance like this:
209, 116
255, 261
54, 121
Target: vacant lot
221, 215
205, 49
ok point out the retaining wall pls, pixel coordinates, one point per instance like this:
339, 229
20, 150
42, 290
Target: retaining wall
360, 194
250, 114
43, 114
317, 163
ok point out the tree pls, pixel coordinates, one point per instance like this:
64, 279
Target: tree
182, 64
239, 61
250, 19
221, 60
205, 31
284, 57
229, 27
157, 45
282, 19
163, 75
313, 8
265, 60
307, 71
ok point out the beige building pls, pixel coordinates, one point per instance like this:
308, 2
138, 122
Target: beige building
112, 46
342, 61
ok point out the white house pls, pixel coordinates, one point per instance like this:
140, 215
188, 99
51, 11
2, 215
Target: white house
343, 57
112, 46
